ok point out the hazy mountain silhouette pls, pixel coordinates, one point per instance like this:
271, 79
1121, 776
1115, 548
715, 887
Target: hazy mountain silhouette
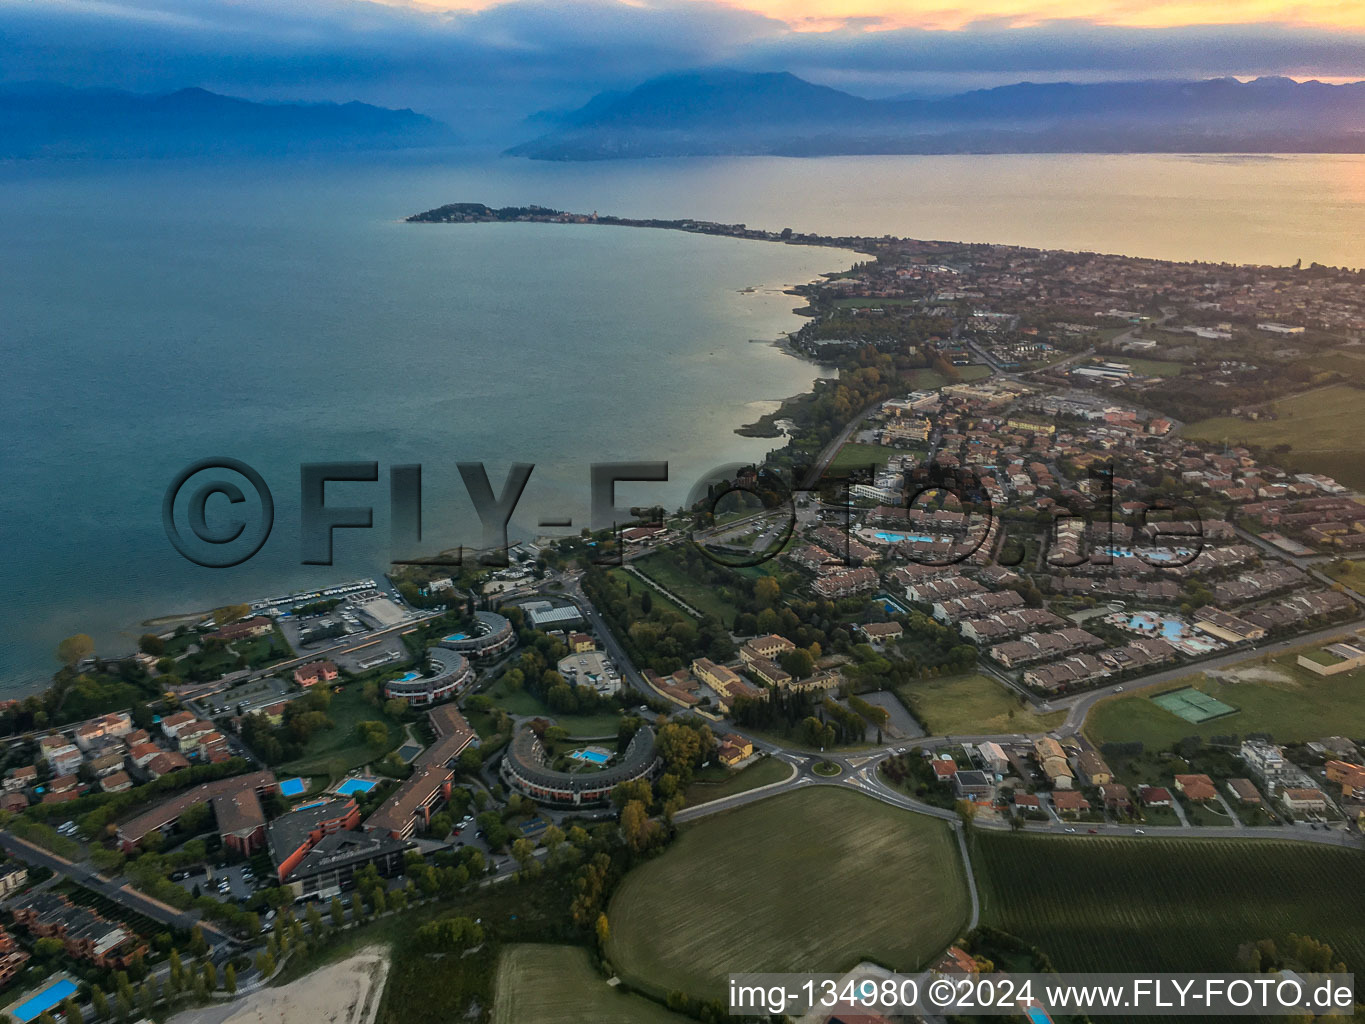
778, 113
48, 120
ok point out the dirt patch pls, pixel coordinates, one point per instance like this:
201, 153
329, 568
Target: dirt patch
342, 993
1253, 675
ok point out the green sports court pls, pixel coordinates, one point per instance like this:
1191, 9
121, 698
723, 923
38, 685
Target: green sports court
1193, 705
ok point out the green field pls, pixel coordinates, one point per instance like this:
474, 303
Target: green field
972, 704
528, 705
1154, 367
1319, 426
1130, 904
708, 599
814, 880
626, 580
1292, 705
763, 772
542, 984
336, 751
860, 456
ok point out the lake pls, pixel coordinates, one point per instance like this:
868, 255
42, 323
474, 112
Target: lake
154, 314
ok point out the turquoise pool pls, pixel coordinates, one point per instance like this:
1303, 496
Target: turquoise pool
896, 538
293, 787
408, 677
356, 786
591, 756
456, 636
44, 1000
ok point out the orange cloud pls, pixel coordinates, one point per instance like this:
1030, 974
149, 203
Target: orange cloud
871, 15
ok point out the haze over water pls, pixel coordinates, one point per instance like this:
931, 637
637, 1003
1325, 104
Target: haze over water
155, 314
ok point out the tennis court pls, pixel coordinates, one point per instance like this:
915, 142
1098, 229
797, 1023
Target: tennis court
1193, 705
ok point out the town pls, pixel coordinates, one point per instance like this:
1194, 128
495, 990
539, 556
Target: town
1026, 583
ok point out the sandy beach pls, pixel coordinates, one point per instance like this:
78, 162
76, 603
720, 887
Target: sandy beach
342, 993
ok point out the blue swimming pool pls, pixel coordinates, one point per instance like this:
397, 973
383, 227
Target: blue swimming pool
456, 636
1037, 1015
896, 538
293, 787
591, 756
407, 677
356, 786
44, 1000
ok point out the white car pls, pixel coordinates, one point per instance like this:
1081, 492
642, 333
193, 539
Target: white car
1070, 830
1138, 832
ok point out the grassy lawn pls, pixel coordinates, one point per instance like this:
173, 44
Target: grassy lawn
626, 581
527, 704
814, 880
860, 456
1147, 904
1153, 367
1280, 698
706, 598
974, 372
1319, 426
336, 751
972, 704
541, 984
1352, 573
764, 771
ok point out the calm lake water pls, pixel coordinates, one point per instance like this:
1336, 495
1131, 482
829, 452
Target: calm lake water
156, 314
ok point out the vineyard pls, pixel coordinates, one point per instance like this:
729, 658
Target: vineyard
1128, 904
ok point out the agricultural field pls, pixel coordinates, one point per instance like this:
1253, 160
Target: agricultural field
813, 880
763, 772
1274, 696
972, 704
1319, 427
336, 751
542, 984
1127, 904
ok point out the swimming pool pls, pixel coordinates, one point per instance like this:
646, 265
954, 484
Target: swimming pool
293, 787
591, 756
1037, 1015
456, 636
356, 786
407, 677
896, 538
44, 1000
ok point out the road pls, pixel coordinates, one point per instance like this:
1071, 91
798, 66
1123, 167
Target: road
125, 895
1080, 705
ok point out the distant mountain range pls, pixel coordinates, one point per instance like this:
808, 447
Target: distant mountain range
38, 120
727, 112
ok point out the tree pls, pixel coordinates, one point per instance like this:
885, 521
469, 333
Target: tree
75, 649
440, 825
230, 613
450, 934
230, 979
338, 912
150, 643
198, 945
396, 708
767, 591
636, 826
603, 929
373, 734
523, 852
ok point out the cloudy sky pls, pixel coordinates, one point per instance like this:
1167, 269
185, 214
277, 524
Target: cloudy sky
485, 62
